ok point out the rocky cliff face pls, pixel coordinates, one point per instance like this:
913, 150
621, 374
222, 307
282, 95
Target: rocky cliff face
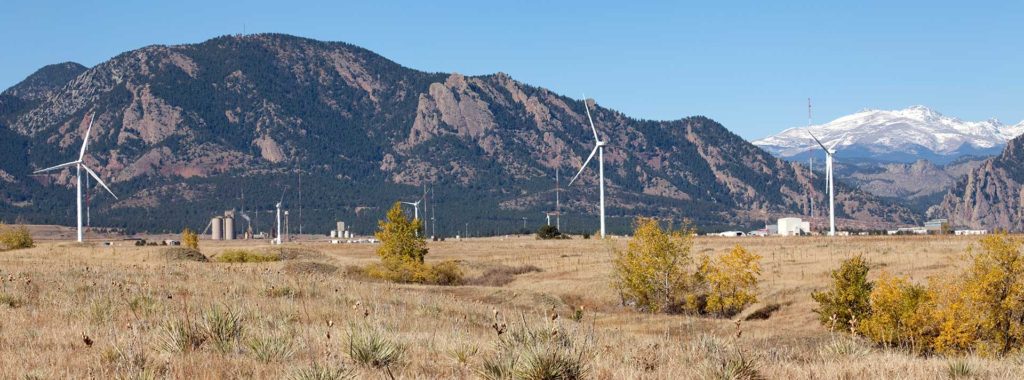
201, 125
990, 196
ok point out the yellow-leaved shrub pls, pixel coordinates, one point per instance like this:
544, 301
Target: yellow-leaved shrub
732, 281
654, 273
900, 315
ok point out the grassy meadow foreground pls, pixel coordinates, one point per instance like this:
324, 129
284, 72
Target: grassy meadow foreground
98, 311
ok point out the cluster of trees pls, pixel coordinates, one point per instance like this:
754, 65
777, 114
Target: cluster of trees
980, 309
657, 272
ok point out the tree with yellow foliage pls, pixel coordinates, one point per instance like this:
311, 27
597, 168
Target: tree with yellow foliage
402, 251
994, 288
399, 240
189, 239
900, 315
654, 272
732, 281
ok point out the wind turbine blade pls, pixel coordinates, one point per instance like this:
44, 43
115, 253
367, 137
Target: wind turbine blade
584, 166
819, 142
100, 181
592, 128
86, 141
56, 167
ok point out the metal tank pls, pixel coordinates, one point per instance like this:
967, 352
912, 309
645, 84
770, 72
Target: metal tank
217, 228
229, 228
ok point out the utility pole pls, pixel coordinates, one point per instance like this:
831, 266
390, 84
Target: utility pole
433, 213
300, 203
558, 205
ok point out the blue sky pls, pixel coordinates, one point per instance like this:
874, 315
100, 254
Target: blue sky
750, 65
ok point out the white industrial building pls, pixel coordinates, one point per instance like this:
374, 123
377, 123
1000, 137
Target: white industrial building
793, 227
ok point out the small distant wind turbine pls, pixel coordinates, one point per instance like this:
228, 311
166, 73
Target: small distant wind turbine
416, 211
79, 164
416, 208
829, 182
599, 150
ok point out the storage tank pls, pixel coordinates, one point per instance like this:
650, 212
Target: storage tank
334, 233
229, 228
217, 228
341, 228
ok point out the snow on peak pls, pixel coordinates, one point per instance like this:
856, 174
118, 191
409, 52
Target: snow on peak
885, 131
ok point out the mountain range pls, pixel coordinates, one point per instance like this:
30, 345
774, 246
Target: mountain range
904, 136
338, 132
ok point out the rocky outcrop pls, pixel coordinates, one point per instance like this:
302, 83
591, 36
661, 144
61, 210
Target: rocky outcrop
989, 197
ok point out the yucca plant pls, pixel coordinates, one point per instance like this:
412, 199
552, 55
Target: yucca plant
321, 372
222, 327
371, 347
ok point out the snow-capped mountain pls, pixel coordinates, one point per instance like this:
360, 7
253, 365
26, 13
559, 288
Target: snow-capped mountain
900, 136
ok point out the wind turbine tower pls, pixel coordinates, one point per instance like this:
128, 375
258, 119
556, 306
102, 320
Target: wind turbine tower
79, 165
599, 151
829, 152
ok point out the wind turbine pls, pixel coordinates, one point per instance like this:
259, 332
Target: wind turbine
278, 205
829, 182
79, 164
416, 208
599, 150
416, 211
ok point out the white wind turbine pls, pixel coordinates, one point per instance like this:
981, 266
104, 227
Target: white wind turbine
79, 164
416, 211
829, 152
599, 150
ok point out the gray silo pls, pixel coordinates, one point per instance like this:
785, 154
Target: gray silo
217, 228
229, 228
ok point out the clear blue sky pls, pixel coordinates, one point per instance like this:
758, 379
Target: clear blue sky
750, 65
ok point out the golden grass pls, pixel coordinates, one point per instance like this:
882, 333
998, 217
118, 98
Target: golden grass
127, 301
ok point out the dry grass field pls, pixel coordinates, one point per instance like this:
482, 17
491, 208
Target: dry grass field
94, 311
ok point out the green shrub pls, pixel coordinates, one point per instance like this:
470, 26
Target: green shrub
847, 300
547, 232
244, 256
15, 237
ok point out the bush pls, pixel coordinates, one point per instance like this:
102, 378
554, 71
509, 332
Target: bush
189, 239
899, 315
993, 291
446, 273
547, 232
732, 281
847, 301
15, 237
654, 274
244, 256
